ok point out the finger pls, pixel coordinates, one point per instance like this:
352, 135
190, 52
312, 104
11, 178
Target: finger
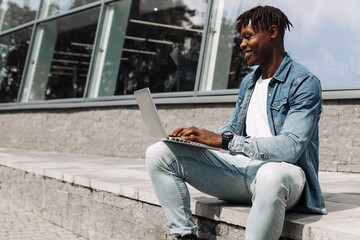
176, 132
189, 131
191, 137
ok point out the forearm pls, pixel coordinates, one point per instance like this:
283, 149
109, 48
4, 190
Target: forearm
223, 129
278, 148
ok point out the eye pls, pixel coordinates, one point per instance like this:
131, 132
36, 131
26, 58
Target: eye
246, 37
249, 36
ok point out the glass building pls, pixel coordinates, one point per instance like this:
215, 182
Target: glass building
86, 50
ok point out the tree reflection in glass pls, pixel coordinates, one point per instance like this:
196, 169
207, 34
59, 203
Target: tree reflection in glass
162, 46
60, 57
16, 12
72, 53
13, 50
52, 7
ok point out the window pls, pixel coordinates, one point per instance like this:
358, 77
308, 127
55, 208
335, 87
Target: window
325, 38
13, 51
17, 12
60, 57
52, 7
157, 43
88, 49
224, 65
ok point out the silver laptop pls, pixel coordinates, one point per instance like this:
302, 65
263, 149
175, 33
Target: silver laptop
152, 120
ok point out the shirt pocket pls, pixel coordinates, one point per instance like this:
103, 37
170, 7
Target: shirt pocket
279, 110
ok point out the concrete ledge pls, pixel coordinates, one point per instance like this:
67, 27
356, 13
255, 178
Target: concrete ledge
112, 198
220, 96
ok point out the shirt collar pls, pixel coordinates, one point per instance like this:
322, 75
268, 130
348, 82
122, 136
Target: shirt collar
280, 74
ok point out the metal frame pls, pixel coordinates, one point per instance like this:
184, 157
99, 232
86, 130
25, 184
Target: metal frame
203, 48
195, 96
95, 48
17, 28
27, 60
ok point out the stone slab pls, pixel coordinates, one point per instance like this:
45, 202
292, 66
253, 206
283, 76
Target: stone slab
125, 177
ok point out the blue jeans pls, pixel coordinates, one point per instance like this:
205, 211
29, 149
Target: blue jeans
271, 187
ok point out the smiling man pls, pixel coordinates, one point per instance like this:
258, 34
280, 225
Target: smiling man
272, 136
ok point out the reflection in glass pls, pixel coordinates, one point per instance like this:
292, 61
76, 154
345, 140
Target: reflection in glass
66, 44
52, 7
16, 12
159, 45
224, 66
13, 50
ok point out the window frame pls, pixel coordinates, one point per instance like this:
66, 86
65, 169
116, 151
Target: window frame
195, 96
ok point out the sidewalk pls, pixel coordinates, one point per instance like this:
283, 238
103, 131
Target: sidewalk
124, 177
19, 224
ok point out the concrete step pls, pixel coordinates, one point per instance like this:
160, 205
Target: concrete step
101, 197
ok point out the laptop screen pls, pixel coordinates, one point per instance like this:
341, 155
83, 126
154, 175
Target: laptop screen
150, 113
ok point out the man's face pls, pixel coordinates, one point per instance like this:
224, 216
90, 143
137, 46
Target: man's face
255, 45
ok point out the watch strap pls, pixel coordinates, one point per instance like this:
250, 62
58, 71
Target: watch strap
226, 138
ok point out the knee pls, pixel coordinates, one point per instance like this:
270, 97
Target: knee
270, 174
153, 150
272, 179
279, 182
156, 155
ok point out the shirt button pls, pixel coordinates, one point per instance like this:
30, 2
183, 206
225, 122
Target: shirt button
269, 94
251, 154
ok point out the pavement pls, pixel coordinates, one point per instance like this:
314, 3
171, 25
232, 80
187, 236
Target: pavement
19, 224
128, 177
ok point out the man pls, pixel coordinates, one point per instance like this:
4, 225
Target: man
272, 137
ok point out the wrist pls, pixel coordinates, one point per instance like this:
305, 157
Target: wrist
218, 141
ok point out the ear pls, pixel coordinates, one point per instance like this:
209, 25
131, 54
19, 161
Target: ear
273, 31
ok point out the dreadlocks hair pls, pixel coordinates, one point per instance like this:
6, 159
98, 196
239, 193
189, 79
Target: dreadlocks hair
264, 17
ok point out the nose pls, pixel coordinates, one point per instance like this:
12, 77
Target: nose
243, 44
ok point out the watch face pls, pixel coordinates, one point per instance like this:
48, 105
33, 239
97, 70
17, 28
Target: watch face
227, 133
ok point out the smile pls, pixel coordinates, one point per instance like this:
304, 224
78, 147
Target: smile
247, 53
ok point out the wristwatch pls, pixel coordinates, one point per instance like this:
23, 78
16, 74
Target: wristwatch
226, 138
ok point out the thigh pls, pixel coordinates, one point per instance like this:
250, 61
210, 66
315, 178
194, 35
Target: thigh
212, 172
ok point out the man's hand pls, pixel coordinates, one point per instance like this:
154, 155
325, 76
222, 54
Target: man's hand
198, 135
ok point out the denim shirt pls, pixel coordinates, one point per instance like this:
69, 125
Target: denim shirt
293, 110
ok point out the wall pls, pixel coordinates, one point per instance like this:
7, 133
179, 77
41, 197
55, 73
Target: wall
97, 215
340, 136
120, 131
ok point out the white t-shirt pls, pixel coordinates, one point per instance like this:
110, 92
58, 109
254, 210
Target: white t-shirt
257, 124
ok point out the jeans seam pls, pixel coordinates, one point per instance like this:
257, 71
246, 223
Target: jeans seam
246, 176
277, 223
182, 199
278, 215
